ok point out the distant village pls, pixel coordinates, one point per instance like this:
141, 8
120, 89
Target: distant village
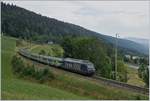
133, 57
137, 60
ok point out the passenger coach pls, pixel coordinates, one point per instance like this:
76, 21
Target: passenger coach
84, 67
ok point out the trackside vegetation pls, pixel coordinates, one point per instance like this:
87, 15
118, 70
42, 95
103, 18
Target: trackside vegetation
24, 79
26, 70
63, 86
13, 87
77, 42
54, 50
143, 73
90, 48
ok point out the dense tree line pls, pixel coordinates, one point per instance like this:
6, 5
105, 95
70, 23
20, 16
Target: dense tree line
19, 22
94, 50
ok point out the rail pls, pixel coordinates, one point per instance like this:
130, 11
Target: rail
122, 85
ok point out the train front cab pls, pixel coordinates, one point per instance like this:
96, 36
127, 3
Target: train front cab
88, 70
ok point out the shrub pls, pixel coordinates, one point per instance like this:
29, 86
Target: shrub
42, 52
19, 67
17, 64
48, 75
143, 73
138, 97
38, 75
43, 75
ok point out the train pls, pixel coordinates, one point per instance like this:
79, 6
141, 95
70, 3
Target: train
84, 67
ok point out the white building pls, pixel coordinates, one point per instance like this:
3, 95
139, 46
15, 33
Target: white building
128, 56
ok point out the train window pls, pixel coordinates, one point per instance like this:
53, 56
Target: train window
66, 65
49, 60
44, 58
69, 65
76, 65
83, 68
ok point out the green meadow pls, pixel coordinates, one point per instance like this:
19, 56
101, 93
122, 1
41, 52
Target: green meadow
64, 86
15, 88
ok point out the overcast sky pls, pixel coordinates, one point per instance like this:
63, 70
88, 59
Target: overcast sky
128, 18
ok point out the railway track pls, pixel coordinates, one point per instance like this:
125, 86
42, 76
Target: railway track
122, 85
117, 84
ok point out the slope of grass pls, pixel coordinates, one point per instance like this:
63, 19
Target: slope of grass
7, 51
51, 50
14, 88
134, 78
94, 89
66, 85
82, 86
20, 89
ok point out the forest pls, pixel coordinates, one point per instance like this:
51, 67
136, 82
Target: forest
21, 23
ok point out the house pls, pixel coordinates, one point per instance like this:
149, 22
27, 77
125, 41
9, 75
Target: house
50, 42
128, 56
135, 57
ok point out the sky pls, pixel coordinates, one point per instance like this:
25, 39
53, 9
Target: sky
127, 18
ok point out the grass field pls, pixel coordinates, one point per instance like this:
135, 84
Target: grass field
14, 88
65, 86
134, 78
80, 85
51, 50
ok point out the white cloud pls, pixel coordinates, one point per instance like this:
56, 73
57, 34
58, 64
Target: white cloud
129, 18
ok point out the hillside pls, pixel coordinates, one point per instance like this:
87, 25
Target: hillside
15, 88
41, 28
144, 42
66, 86
51, 50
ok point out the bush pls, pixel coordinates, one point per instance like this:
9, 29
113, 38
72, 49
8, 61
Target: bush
38, 75
19, 42
43, 75
42, 52
122, 71
19, 67
17, 64
143, 73
138, 97
27, 71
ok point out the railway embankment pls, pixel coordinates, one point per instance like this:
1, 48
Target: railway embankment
66, 85
78, 83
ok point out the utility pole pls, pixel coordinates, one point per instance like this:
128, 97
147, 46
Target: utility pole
116, 55
30, 42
